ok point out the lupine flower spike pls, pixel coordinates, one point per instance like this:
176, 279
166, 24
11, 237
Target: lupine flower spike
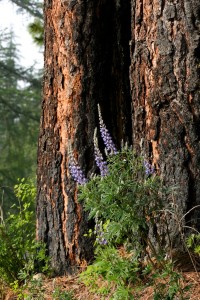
108, 142
76, 171
99, 157
100, 234
149, 169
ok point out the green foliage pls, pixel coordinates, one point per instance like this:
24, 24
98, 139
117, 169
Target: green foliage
36, 29
3, 289
20, 93
114, 269
127, 197
33, 7
126, 205
18, 249
62, 295
35, 290
193, 243
168, 284
32, 290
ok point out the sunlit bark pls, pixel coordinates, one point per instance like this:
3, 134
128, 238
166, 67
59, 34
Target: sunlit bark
86, 62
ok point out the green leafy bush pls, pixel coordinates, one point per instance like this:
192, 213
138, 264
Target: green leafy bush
18, 248
126, 204
193, 243
168, 284
62, 295
127, 200
118, 271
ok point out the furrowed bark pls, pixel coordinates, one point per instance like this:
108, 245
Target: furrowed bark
164, 74
83, 67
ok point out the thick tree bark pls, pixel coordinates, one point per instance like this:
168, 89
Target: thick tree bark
165, 84
86, 62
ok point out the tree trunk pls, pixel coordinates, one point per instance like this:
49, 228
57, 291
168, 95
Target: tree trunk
165, 86
86, 62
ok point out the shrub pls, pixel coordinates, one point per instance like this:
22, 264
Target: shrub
127, 199
126, 202
116, 271
18, 247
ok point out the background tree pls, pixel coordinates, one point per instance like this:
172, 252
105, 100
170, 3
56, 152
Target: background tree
19, 113
36, 29
33, 7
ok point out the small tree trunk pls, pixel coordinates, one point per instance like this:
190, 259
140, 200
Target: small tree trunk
165, 57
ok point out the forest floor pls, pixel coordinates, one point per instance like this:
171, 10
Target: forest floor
81, 292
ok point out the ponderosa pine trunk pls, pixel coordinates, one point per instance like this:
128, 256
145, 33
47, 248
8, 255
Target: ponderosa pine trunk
86, 62
165, 87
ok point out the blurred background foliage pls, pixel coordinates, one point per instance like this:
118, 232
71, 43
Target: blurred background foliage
20, 97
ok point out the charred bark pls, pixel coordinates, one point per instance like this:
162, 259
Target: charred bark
86, 62
165, 84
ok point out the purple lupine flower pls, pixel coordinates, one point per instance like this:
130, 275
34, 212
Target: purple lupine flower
101, 164
76, 172
108, 142
149, 169
100, 239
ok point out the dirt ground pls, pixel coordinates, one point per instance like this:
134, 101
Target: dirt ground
81, 292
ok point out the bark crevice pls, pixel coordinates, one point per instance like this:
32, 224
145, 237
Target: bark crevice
86, 62
166, 113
